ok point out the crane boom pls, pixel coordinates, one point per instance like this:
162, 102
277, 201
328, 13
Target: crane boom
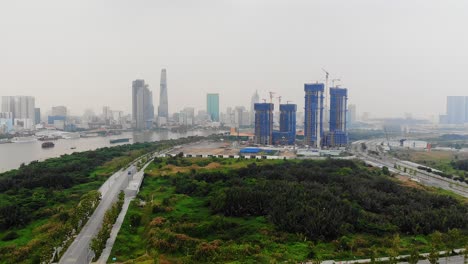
271, 97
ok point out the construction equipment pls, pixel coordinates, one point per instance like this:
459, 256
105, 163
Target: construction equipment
335, 80
279, 100
326, 114
271, 96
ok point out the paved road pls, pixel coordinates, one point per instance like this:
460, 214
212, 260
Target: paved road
458, 259
424, 178
79, 252
135, 184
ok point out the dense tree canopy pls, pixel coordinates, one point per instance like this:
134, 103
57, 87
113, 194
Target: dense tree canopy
37, 185
325, 200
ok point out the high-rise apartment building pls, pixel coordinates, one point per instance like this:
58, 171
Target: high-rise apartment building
37, 116
457, 109
337, 135
313, 114
22, 109
142, 105
288, 122
264, 123
163, 109
212, 106
255, 99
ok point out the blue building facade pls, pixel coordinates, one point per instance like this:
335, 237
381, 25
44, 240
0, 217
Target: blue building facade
288, 122
338, 135
212, 106
313, 114
51, 119
263, 123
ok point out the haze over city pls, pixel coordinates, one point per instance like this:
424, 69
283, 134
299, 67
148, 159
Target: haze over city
394, 56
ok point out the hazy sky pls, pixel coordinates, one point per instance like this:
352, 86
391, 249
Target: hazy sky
395, 56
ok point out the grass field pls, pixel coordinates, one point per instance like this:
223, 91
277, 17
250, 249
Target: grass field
183, 219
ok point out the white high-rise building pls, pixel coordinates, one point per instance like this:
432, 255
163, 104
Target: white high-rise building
21, 108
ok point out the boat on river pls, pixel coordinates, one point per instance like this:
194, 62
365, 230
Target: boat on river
119, 140
48, 145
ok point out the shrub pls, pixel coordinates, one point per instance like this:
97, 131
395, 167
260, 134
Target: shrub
10, 236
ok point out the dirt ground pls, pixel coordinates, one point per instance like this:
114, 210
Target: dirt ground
406, 181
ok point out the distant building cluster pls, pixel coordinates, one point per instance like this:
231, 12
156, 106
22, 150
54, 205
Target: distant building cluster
317, 124
17, 113
315, 134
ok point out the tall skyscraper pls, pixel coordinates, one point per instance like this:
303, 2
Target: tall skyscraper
457, 108
313, 114
212, 106
163, 109
338, 135
37, 116
142, 108
255, 99
264, 123
8, 105
288, 121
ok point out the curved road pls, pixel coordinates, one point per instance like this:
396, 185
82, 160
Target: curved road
78, 251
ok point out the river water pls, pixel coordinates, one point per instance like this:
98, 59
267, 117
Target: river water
13, 154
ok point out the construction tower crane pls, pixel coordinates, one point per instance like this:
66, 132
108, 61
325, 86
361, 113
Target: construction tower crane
327, 76
325, 107
271, 97
335, 80
279, 100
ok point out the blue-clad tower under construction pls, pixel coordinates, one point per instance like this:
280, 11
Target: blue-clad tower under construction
313, 114
338, 135
288, 122
263, 123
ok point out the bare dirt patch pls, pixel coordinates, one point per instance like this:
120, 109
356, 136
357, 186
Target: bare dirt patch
406, 181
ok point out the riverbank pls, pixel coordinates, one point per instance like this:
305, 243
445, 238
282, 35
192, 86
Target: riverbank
38, 201
12, 155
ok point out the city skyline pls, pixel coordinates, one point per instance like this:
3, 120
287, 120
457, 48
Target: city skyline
82, 68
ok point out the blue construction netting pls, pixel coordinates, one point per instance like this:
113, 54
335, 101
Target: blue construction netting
338, 115
287, 124
313, 112
263, 123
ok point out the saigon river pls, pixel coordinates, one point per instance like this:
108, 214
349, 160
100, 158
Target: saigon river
12, 155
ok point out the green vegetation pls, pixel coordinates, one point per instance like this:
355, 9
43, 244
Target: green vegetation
99, 242
44, 203
249, 211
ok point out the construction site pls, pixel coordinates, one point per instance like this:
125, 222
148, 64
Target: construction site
234, 149
325, 118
